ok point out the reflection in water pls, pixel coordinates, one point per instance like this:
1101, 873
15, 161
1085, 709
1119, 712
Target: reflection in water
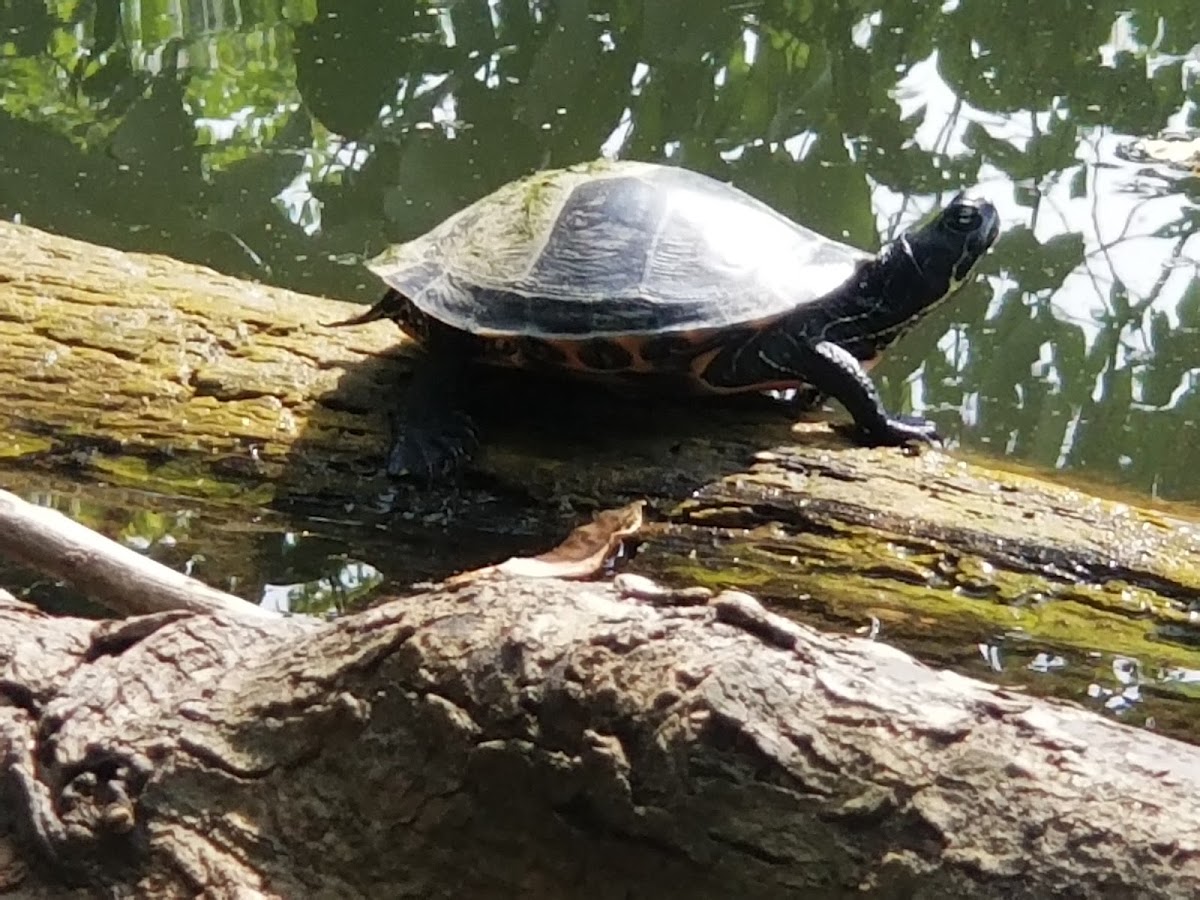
335, 593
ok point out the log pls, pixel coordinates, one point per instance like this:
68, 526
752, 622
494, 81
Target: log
142, 372
537, 737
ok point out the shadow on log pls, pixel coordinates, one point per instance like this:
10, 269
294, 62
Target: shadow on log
540, 738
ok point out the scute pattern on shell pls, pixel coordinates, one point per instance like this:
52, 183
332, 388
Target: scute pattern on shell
614, 248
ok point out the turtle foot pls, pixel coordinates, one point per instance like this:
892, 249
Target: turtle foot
896, 431
431, 450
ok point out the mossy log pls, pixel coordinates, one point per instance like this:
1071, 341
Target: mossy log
144, 372
586, 745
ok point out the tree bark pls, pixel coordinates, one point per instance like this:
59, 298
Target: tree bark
547, 739
537, 738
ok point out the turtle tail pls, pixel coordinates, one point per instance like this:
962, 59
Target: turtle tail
390, 306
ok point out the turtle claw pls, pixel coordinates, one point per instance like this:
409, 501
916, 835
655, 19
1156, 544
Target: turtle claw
428, 451
901, 430
897, 431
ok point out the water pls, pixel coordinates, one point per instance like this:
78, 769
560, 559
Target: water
286, 141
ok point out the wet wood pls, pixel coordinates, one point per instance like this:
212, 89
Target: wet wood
588, 744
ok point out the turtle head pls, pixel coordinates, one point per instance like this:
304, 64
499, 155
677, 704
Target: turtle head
945, 250
920, 269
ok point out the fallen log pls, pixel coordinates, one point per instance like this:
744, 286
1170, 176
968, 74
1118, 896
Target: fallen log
586, 744
546, 739
148, 373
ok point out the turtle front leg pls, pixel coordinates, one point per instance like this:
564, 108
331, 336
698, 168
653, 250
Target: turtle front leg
831, 370
431, 435
841, 376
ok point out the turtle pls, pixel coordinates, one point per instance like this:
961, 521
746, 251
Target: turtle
644, 273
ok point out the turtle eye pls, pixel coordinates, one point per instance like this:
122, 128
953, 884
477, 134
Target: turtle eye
963, 216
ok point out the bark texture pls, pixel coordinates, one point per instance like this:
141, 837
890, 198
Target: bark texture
546, 739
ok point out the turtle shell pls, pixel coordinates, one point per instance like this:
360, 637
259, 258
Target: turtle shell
614, 248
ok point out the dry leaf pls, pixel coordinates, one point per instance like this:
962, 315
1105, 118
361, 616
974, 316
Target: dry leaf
583, 553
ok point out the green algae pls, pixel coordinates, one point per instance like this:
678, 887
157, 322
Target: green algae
21, 446
856, 574
182, 477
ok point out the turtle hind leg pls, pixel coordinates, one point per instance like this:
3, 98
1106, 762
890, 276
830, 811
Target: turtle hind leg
428, 449
431, 436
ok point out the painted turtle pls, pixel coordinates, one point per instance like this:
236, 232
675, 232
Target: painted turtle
635, 272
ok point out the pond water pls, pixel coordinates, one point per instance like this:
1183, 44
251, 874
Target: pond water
288, 140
